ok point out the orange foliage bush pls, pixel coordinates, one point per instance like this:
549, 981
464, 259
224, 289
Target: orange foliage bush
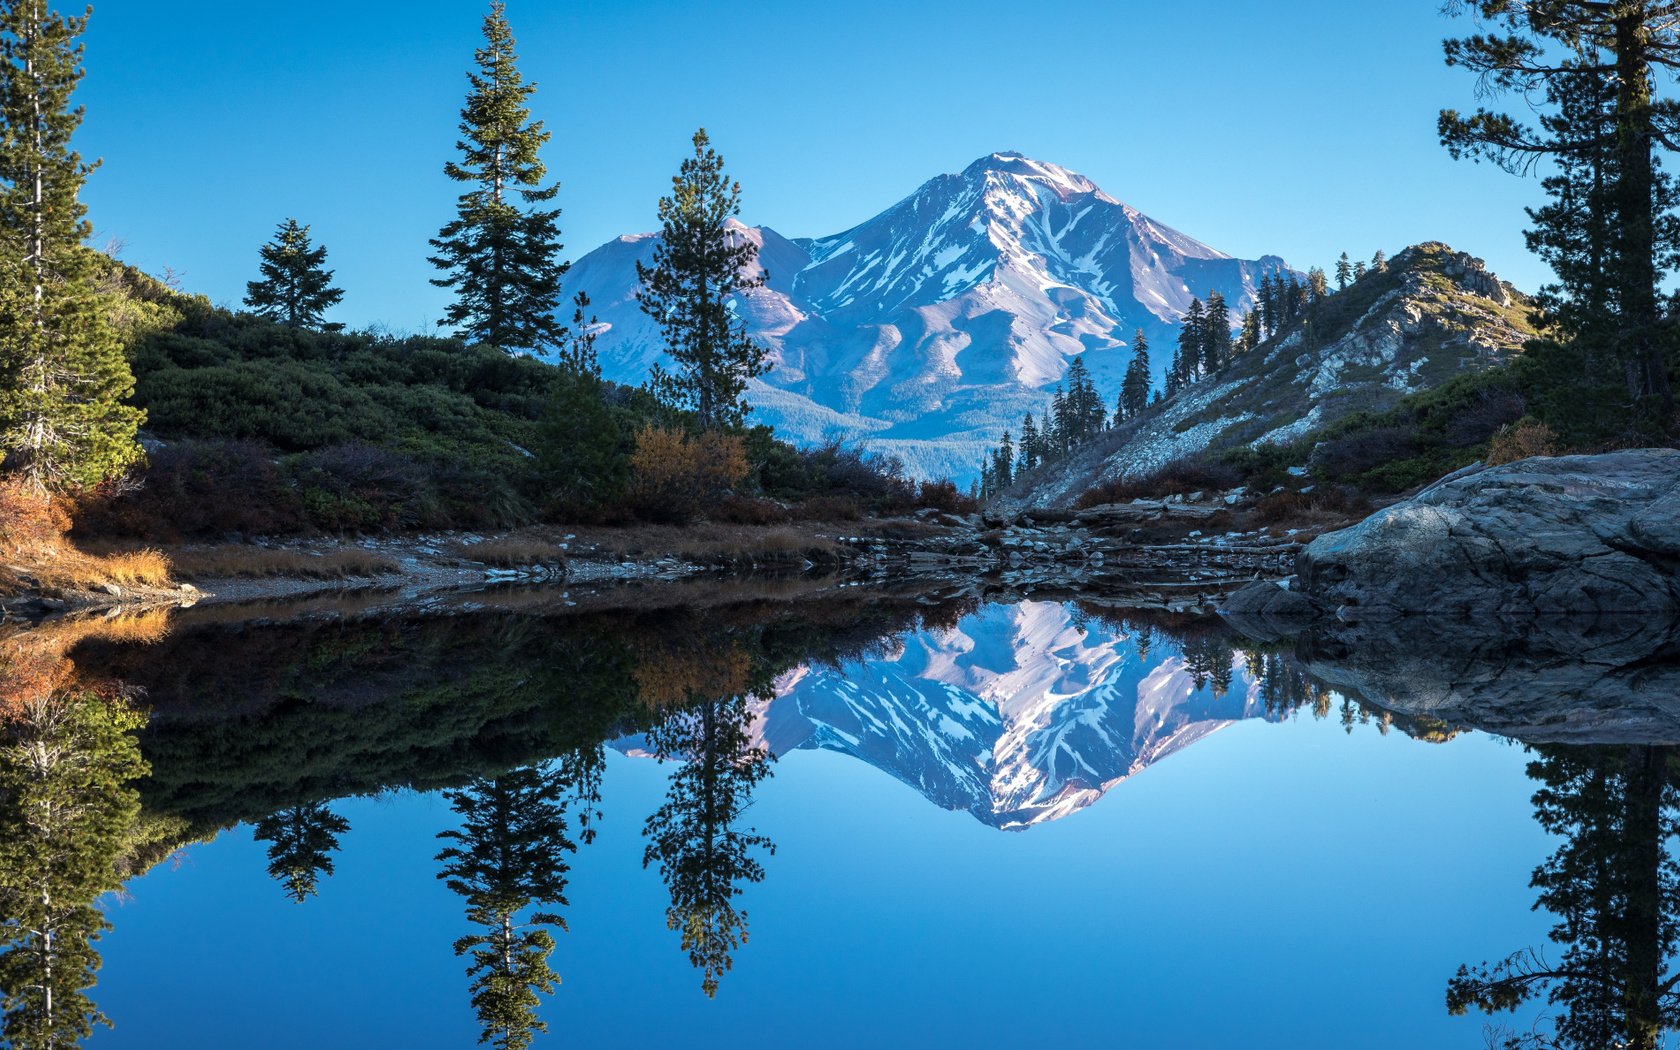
29, 520
675, 477
672, 676
1520, 440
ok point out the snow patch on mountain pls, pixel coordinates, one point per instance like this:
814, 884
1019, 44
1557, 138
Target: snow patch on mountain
932, 326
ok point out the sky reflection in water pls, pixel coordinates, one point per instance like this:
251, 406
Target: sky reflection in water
1271, 884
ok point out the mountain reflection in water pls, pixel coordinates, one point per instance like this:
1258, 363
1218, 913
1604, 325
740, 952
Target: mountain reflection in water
128, 741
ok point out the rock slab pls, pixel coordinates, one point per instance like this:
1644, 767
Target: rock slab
1593, 534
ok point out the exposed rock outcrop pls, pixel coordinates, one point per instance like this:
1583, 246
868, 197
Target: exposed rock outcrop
1434, 313
1570, 534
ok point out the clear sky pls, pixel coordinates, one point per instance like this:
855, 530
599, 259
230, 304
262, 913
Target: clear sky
1295, 127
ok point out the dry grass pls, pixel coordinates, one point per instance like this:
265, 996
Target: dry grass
142, 568
242, 561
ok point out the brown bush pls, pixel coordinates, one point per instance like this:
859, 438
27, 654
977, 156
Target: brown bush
745, 510
943, 495
1293, 505
1174, 478
1521, 440
676, 477
829, 508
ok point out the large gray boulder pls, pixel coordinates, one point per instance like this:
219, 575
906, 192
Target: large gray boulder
1568, 534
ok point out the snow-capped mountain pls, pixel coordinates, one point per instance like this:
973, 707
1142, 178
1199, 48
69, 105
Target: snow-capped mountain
932, 326
1017, 715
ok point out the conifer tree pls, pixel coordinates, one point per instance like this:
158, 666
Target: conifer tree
63, 373
502, 262
1216, 334
704, 856
1344, 272
1057, 432
302, 840
1379, 262
1134, 389
699, 265
1003, 463
68, 811
509, 860
296, 287
1249, 338
1191, 337
1318, 285
1029, 442
1359, 271
1590, 71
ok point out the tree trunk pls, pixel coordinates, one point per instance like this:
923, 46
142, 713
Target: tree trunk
1641, 341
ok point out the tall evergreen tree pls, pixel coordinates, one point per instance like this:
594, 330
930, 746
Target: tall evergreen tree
1596, 67
1344, 272
63, 373
1216, 334
1614, 888
503, 262
695, 838
1134, 389
1379, 262
296, 287
1029, 442
699, 264
1192, 335
68, 809
509, 861
1003, 463
302, 840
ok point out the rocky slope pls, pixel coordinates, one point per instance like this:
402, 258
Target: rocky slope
933, 325
1434, 313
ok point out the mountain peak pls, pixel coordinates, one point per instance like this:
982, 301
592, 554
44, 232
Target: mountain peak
1065, 182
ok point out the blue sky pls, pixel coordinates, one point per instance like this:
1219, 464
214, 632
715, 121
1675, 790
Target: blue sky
1299, 127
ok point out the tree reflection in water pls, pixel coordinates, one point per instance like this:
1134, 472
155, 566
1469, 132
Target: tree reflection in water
703, 856
1614, 887
302, 840
67, 813
509, 860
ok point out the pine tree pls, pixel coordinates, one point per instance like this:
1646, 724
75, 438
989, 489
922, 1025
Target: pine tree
1344, 272
509, 860
1029, 442
1191, 337
1134, 389
68, 813
699, 265
1003, 464
1590, 72
1359, 271
63, 372
1250, 337
503, 263
1057, 431
1379, 262
296, 288
704, 856
1318, 285
302, 840
1216, 334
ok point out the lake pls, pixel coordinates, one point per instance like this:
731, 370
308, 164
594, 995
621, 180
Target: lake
903, 820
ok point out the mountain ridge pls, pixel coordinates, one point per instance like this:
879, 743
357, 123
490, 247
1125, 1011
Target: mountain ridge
928, 328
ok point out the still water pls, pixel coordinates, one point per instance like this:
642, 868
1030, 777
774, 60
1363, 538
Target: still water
818, 824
